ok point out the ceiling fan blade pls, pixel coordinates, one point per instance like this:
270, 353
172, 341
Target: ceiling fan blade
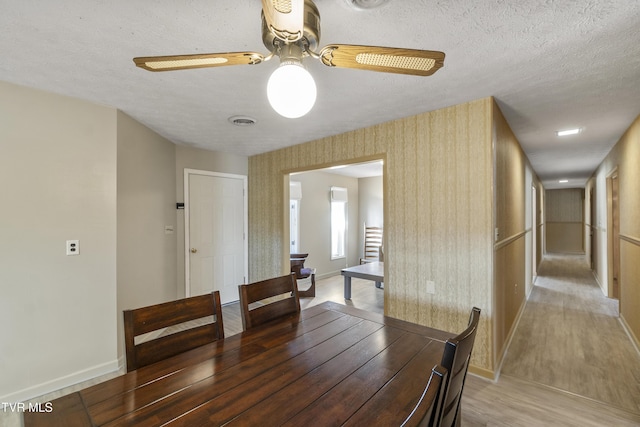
285, 18
385, 59
185, 62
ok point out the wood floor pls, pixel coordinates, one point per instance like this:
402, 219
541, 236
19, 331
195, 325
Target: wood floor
364, 295
521, 401
536, 387
569, 337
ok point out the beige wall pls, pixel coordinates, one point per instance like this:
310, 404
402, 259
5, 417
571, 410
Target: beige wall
623, 157
315, 221
150, 183
194, 158
146, 204
74, 170
58, 174
438, 217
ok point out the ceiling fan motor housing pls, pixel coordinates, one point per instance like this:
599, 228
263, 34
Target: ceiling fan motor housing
311, 32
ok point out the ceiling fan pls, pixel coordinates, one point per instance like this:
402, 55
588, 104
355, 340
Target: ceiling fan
291, 31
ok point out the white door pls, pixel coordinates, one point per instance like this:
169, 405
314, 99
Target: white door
216, 236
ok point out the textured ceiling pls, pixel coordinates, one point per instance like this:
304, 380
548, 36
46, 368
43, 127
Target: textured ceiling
550, 64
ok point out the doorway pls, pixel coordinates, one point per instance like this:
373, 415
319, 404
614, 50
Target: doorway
312, 196
613, 222
534, 237
592, 229
215, 233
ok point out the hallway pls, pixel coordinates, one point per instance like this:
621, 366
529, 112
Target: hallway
569, 337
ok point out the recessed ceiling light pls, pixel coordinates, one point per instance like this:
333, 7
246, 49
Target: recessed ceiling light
563, 181
568, 132
242, 120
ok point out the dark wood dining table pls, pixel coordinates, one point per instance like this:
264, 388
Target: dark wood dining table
328, 365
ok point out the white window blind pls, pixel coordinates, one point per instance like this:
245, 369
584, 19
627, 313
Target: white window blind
338, 222
338, 194
295, 190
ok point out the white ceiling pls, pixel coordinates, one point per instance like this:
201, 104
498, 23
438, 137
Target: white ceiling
551, 64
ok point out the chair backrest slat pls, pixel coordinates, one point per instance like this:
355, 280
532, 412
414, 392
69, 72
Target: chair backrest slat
165, 315
164, 347
457, 353
372, 244
284, 287
428, 407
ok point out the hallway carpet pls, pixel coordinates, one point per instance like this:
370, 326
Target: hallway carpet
569, 337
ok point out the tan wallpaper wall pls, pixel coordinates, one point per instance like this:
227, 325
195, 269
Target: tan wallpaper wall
509, 291
510, 164
629, 174
630, 286
629, 196
511, 191
624, 156
564, 220
565, 205
438, 212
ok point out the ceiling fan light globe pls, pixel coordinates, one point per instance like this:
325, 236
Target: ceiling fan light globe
291, 90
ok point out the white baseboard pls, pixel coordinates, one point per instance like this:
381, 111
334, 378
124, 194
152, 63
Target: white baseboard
55, 385
597, 279
511, 334
630, 334
327, 275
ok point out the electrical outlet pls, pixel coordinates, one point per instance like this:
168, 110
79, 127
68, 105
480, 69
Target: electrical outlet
73, 247
431, 287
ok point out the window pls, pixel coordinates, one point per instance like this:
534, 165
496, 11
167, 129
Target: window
294, 232
295, 196
338, 222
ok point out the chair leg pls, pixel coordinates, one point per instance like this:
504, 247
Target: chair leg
311, 292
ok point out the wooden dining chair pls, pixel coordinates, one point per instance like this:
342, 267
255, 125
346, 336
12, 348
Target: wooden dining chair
372, 244
263, 301
457, 353
427, 410
157, 318
302, 272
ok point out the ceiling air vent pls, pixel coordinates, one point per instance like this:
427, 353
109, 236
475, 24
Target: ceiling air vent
366, 4
242, 120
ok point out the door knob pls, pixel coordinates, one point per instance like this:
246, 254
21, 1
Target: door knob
194, 250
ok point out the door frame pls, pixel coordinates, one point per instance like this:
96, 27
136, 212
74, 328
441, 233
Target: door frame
187, 263
534, 233
613, 236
